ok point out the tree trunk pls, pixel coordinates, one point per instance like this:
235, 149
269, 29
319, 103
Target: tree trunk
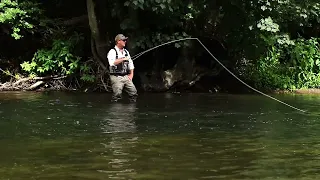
98, 44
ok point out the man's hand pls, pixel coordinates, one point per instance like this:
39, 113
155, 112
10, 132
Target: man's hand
118, 61
130, 76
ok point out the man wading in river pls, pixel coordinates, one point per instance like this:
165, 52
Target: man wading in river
121, 70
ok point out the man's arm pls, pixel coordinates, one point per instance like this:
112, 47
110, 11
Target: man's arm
131, 74
118, 61
131, 67
112, 58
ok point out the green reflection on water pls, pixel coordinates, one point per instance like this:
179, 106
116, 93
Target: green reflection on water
81, 136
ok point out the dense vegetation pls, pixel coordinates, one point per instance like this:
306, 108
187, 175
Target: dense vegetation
272, 44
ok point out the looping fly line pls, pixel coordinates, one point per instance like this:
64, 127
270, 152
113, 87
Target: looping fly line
140, 54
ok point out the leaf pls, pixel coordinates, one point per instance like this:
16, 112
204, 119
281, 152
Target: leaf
40, 69
60, 64
314, 12
184, 34
317, 62
259, 25
162, 6
170, 9
127, 3
135, 2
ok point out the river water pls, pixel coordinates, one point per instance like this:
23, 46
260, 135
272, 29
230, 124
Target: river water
67, 136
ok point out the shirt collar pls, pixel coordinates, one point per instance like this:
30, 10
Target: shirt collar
117, 48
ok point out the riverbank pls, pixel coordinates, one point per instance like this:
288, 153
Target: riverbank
218, 84
299, 91
209, 91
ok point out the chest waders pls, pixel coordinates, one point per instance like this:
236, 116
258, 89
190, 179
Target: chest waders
122, 68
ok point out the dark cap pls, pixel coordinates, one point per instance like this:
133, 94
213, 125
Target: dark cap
120, 37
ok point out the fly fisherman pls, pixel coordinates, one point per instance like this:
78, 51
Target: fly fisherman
121, 70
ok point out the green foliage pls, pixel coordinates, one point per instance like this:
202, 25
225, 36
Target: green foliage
87, 73
288, 65
60, 60
57, 60
166, 21
258, 31
158, 6
305, 60
19, 15
267, 24
159, 38
271, 37
273, 60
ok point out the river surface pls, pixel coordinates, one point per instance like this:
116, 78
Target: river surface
78, 136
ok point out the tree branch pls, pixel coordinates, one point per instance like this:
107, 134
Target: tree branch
38, 78
7, 73
35, 85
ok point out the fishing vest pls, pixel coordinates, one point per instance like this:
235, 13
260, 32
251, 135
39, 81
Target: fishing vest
121, 68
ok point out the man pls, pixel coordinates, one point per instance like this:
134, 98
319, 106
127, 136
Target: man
121, 70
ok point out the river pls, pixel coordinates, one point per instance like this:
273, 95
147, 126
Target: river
66, 136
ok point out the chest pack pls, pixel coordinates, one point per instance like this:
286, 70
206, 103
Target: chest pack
126, 53
122, 68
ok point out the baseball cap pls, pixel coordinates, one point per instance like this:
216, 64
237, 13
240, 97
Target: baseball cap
120, 37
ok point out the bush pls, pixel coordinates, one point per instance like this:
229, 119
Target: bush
288, 64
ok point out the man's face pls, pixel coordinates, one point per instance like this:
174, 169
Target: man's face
122, 43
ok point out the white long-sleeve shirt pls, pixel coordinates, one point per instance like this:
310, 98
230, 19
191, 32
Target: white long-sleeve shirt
112, 57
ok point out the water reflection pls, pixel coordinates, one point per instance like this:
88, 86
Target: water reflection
119, 118
116, 124
163, 136
20, 97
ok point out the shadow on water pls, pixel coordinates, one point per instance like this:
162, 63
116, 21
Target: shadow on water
162, 136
